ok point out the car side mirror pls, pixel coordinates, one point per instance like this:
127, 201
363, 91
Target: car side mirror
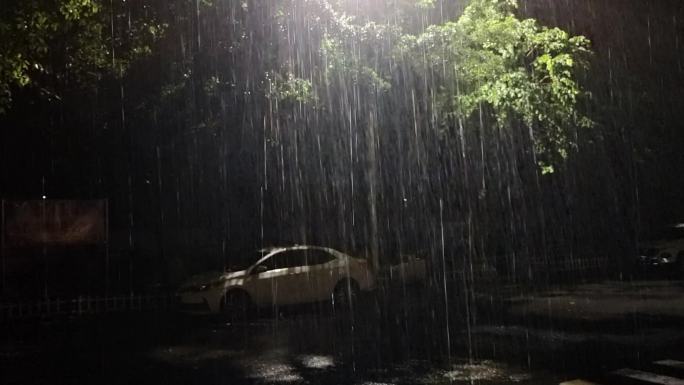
259, 269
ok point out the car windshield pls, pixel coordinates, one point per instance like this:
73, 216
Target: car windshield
670, 233
673, 233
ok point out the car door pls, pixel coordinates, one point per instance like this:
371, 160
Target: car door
323, 274
280, 282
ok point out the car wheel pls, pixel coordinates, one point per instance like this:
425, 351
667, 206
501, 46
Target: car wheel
345, 295
236, 305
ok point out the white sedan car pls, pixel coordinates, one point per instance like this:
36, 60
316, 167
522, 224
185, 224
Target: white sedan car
280, 276
410, 270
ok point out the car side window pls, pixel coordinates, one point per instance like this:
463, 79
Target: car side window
318, 257
285, 259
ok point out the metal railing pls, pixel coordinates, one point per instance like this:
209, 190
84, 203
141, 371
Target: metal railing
84, 305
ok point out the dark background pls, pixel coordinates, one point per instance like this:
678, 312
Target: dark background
193, 178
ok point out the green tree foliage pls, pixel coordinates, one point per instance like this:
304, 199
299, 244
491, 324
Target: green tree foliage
521, 71
50, 45
514, 69
290, 89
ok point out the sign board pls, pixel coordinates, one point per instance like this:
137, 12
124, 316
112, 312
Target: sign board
54, 222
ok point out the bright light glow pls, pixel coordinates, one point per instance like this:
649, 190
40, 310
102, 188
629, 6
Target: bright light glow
317, 362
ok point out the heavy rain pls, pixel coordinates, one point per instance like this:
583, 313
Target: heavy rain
342, 192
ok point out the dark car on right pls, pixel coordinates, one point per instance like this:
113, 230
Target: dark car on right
665, 254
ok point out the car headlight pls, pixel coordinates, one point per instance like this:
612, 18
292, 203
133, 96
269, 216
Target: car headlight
211, 285
664, 258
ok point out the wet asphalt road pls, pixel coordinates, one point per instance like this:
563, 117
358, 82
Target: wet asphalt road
402, 340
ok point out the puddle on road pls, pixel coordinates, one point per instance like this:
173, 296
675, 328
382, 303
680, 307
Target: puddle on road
475, 372
280, 367
272, 372
553, 338
188, 355
484, 371
420, 372
317, 361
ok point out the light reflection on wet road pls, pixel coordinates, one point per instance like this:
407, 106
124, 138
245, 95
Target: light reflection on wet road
383, 343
